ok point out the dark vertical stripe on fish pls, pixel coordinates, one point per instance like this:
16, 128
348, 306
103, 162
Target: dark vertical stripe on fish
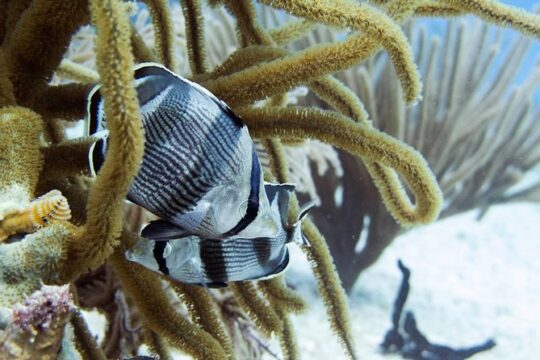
211, 253
253, 200
263, 250
159, 249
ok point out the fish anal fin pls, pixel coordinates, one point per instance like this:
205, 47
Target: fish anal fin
216, 285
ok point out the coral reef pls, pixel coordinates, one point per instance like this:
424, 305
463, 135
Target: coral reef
475, 126
37, 107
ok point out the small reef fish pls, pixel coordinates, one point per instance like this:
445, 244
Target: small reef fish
199, 171
213, 263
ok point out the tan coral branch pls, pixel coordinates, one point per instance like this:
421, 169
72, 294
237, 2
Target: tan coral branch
340, 97
370, 21
250, 29
80, 73
141, 51
363, 141
156, 344
283, 74
290, 31
84, 341
264, 317
203, 312
500, 14
20, 158
195, 36
67, 158
281, 296
328, 284
163, 31
67, 101
104, 207
39, 40
160, 314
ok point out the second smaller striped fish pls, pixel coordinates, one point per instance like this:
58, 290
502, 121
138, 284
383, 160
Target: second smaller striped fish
215, 262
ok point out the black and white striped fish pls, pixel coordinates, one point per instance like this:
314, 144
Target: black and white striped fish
199, 170
213, 263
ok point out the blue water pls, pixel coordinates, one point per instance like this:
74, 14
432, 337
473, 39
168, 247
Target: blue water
533, 56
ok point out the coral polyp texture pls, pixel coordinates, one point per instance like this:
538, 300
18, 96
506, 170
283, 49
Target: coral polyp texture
79, 232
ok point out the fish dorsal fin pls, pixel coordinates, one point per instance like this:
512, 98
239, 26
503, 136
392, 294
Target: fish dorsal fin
194, 218
282, 194
159, 230
154, 69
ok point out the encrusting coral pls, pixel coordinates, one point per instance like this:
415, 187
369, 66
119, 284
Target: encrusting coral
35, 328
254, 80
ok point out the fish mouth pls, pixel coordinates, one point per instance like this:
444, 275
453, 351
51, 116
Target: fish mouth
129, 255
137, 252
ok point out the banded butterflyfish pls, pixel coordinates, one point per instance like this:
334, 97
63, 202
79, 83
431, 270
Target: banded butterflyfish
210, 262
199, 170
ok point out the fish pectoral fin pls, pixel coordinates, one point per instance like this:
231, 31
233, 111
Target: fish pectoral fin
159, 230
193, 219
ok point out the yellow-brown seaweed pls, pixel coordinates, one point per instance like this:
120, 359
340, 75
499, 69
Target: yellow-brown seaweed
35, 157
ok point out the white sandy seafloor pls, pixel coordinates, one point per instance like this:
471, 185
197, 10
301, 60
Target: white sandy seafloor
470, 281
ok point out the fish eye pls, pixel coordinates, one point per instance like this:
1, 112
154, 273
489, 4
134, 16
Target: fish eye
167, 251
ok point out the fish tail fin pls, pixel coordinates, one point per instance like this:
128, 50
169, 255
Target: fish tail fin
96, 126
95, 114
96, 153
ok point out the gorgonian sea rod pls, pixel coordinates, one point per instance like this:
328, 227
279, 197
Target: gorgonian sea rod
36, 157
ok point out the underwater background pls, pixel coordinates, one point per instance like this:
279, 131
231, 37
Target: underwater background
473, 279
452, 115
